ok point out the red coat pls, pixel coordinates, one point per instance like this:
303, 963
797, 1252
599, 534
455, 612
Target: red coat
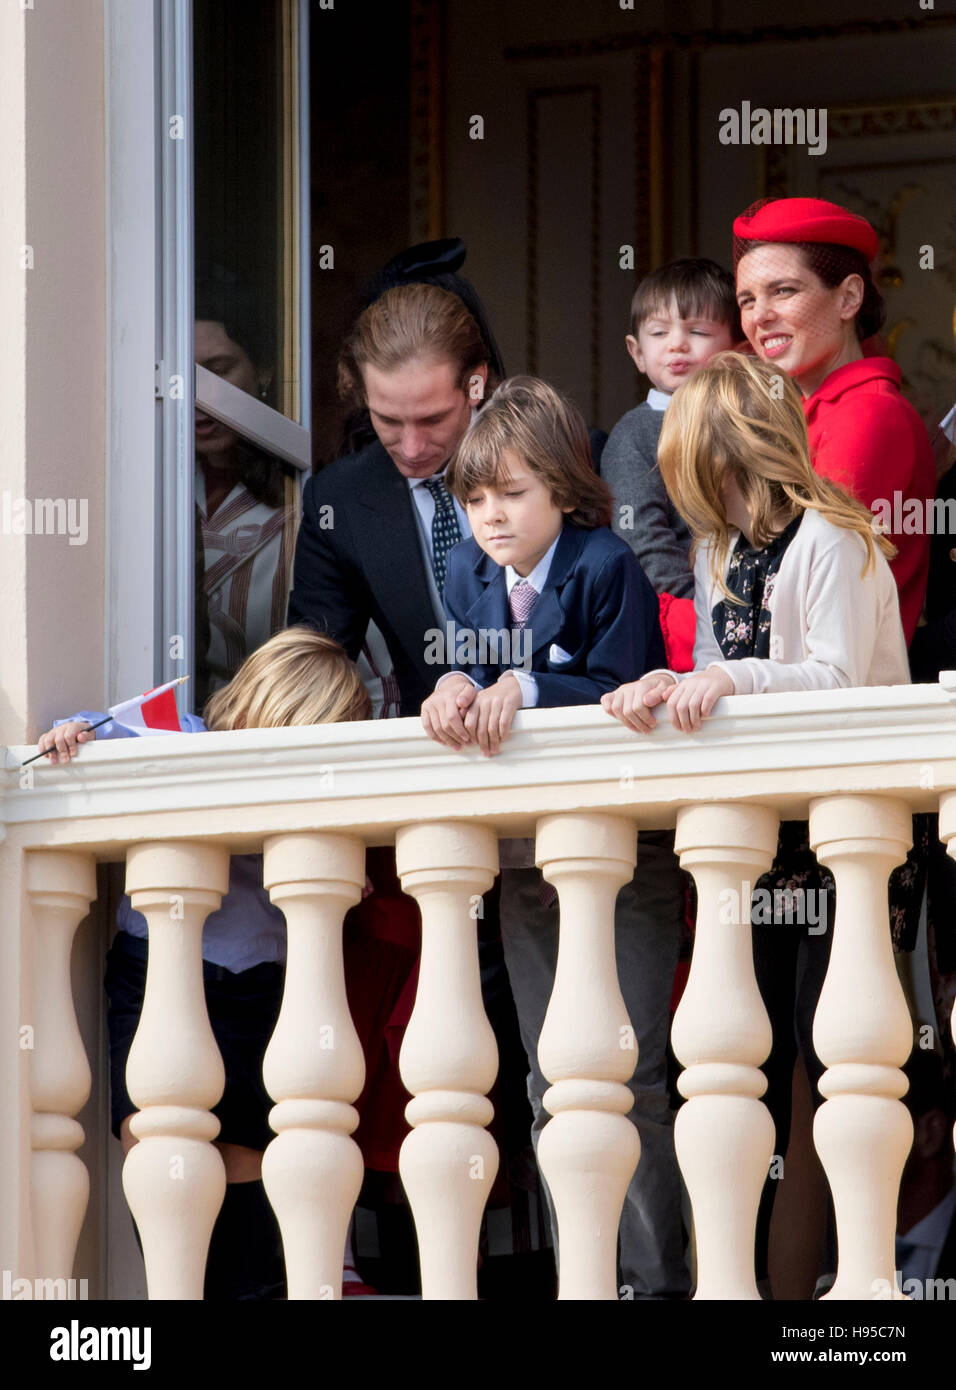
866, 435
678, 624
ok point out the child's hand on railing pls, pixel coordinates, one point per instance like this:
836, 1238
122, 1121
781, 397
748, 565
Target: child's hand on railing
62, 743
492, 712
696, 696
443, 711
632, 703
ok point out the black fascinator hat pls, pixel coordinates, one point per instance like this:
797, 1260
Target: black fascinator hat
436, 263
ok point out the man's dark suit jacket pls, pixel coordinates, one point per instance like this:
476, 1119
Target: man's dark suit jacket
363, 559
597, 605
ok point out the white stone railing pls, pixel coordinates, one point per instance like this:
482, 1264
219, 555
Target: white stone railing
857, 763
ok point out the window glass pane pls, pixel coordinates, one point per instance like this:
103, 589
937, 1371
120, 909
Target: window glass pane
247, 315
246, 192
247, 512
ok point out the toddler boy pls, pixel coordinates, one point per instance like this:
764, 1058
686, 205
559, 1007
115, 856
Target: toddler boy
682, 314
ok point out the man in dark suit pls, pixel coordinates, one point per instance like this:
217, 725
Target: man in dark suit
377, 525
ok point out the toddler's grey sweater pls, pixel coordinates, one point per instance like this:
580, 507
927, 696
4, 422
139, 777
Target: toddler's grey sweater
644, 514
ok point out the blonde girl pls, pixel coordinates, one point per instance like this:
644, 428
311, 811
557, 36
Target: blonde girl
792, 586
792, 591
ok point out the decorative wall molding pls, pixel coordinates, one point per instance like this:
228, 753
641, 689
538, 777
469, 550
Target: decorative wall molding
709, 38
908, 116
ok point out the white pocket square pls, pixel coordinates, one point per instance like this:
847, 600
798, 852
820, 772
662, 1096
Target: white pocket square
558, 654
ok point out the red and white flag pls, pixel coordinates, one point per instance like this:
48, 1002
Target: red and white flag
154, 712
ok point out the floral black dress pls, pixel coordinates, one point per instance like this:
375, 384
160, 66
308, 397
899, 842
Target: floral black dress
743, 630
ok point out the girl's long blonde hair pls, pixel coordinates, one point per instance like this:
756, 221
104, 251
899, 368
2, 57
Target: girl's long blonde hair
299, 676
736, 416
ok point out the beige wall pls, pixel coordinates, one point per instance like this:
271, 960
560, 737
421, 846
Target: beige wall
52, 438
52, 356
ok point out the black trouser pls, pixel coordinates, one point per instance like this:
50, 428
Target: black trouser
790, 966
791, 955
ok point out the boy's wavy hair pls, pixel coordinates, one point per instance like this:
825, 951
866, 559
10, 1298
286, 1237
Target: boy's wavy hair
546, 432
737, 417
299, 676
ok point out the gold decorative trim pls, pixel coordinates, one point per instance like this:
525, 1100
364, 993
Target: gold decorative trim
912, 115
710, 38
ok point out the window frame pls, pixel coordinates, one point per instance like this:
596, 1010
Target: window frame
181, 383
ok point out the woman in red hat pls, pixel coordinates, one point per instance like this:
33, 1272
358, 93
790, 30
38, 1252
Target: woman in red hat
808, 303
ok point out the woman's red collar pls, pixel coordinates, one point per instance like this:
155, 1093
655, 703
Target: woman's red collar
855, 374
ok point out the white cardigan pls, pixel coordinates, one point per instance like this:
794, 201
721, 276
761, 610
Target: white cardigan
829, 626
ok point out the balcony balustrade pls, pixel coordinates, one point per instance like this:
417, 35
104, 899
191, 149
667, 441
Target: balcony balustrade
856, 763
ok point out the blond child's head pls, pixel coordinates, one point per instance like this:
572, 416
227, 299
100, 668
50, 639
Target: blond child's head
682, 314
738, 421
299, 676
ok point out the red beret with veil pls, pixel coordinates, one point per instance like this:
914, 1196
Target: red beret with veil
808, 220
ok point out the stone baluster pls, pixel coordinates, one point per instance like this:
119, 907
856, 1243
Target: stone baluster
588, 1150
724, 1135
314, 1067
449, 1058
60, 887
174, 1177
863, 1033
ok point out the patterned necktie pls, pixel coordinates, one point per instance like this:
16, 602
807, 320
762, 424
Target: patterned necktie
521, 600
445, 529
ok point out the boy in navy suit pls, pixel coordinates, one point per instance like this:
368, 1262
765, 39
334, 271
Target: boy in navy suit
545, 606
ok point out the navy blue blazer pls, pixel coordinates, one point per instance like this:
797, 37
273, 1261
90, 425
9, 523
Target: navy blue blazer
597, 605
367, 565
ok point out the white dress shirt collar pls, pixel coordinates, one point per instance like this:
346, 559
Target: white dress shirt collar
538, 576
420, 482
658, 400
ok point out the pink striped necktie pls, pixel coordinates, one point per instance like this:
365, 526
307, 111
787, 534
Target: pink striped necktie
521, 600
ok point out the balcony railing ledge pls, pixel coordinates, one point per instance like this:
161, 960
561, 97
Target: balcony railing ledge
779, 750
856, 761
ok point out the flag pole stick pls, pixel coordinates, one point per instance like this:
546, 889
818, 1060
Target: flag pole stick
88, 730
